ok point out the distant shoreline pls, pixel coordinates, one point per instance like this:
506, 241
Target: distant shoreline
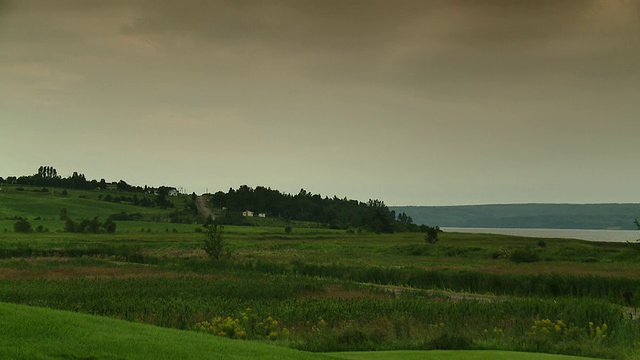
582, 234
527, 216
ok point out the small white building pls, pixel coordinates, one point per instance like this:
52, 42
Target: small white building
112, 186
262, 215
247, 213
173, 192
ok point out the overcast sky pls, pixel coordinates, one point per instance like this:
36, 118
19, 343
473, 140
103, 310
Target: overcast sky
412, 102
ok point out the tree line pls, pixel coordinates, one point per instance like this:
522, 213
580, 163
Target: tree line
48, 176
335, 212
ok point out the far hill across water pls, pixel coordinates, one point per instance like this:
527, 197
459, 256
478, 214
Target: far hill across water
549, 216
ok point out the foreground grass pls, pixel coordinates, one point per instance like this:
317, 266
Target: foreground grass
38, 333
450, 355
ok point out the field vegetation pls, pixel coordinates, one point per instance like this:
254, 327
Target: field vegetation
68, 335
320, 289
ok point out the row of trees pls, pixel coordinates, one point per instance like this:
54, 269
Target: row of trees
48, 176
90, 226
373, 215
83, 226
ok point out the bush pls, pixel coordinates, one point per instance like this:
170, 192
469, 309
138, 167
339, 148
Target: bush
124, 216
502, 253
248, 326
109, 226
449, 341
64, 214
70, 225
432, 234
22, 226
213, 243
524, 255
287, 229
92, 226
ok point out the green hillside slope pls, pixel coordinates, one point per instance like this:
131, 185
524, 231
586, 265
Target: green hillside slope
30, 333
31, 202
36, 333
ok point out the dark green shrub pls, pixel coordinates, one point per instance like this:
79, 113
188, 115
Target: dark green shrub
524, 255
432, 232
213, 242
22, 226
109, 226
124, 216
69, 225
64, 214
351, 337
450, 341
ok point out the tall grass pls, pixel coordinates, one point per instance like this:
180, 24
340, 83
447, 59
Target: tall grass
624, 291
370, 323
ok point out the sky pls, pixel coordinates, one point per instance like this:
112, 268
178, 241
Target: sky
413, 102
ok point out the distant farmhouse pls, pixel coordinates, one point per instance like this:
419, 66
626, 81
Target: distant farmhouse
112, 186
173, 192
249, 213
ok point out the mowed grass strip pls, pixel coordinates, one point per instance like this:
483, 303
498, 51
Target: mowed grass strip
451, 355
36, 333
39, 333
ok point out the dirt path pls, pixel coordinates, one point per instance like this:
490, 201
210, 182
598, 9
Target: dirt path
203, 209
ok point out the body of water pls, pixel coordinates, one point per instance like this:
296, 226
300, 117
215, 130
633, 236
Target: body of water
593, 235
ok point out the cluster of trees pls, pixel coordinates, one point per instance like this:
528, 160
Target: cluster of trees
22, 226
373, 215
188, 213
48, 176
90, 226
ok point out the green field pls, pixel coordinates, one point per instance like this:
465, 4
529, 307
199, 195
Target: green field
317, 289
36, 333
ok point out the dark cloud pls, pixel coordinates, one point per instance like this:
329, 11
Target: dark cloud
357, 23
436, 47
407, 41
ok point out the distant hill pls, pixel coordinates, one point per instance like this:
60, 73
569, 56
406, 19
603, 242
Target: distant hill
551, 216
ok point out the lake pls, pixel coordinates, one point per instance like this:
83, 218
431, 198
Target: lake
593, 235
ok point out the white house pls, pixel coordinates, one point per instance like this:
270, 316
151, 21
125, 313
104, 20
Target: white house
173, 192
247, 213
262, 215
112, 186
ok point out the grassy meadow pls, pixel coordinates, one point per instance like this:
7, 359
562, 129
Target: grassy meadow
317, 289
67, 335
